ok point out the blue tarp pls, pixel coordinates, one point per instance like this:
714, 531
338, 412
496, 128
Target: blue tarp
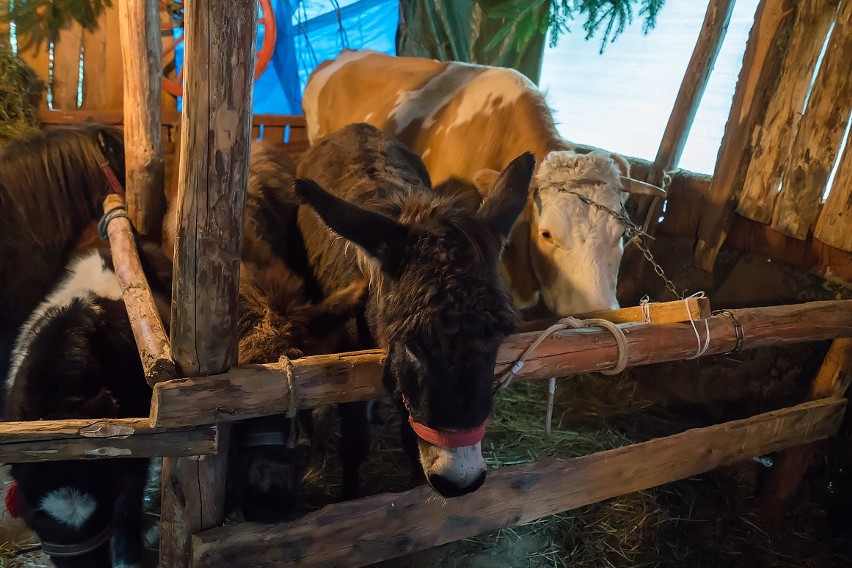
309, 32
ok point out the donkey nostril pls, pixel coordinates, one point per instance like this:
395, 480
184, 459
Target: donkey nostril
449, 489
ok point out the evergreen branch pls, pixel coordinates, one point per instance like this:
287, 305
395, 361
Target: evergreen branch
38, 22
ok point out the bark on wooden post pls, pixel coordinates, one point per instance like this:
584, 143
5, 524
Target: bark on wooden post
214, 150
143, 69
757, 80
820, 134
677, 130
784, 113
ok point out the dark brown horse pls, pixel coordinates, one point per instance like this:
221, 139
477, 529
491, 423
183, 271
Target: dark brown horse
435, 303
51, 188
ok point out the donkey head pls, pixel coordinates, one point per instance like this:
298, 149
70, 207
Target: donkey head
438, 306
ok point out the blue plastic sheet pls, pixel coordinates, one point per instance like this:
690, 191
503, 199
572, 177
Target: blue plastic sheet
309, 32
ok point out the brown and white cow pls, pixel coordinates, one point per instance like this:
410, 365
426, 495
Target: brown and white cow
468, 122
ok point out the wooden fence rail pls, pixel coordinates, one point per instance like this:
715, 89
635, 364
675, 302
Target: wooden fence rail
384, 526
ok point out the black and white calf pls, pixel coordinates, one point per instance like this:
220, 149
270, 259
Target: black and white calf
75, 357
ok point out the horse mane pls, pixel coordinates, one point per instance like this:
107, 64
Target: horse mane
51, 183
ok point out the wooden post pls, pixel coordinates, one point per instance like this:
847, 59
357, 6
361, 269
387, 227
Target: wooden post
833, 225
677, 130
757, 80
143, 64
102, 64
820, 134
214, 150
784, 112
790, 468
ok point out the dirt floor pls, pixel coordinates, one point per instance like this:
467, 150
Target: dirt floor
706, 521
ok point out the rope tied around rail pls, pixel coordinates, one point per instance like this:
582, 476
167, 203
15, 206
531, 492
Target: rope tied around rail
117, 212
292, 408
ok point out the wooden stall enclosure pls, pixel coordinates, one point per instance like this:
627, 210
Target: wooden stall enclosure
768, 144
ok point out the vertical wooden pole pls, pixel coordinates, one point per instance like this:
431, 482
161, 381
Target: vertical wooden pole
140, 48
792, 464
686, 104
214, 150
757, 79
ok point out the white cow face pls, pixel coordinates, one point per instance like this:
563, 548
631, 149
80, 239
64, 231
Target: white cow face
576, 248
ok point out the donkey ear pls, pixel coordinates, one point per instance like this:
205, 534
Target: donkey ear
508, 197
382, 237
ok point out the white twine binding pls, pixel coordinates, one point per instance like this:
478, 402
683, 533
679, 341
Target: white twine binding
567, 323
292, 408
700, 349
645, 304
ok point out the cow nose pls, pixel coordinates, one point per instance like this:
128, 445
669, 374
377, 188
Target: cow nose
450, 488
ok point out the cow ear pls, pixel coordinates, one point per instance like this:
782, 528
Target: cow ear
380, 236
508, 197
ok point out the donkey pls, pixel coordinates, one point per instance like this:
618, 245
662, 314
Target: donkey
52, 185
76, 358
435, 302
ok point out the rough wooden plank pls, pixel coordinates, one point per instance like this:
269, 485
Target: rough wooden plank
384, 526
784, 111
685, 204
66, 66
836, 217
53, 440
756, 83
213, 172
148, 329
143, 147
819, 136
658, 312
790, 467
259, 390
168, 118
102, 64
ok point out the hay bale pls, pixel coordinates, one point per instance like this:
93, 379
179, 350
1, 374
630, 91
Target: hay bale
20, 94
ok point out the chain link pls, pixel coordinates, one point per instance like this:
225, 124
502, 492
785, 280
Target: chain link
636, 235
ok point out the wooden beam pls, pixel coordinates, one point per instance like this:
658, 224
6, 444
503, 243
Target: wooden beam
819, 136
658, 312
784, 111
756, 83
259, 390
790, 467
145, 321
55, 440
834, 221
380, 527
143, 146
214, 153
168, 118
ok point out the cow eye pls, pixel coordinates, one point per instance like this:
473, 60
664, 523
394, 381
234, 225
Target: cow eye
546, 235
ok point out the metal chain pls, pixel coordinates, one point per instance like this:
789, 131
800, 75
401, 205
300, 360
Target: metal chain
636, 235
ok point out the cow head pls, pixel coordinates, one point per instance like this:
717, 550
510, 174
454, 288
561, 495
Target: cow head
576, 247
